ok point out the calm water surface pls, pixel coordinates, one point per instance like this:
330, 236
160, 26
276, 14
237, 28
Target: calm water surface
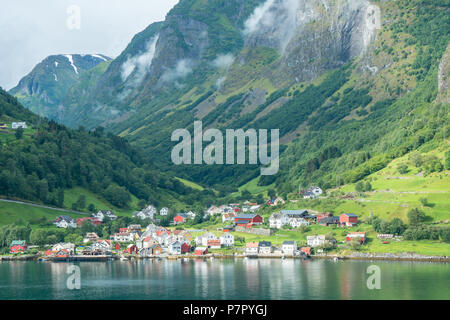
225, 279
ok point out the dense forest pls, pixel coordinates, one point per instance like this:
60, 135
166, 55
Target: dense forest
38, 164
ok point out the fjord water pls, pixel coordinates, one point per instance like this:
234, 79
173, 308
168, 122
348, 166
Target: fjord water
225, 279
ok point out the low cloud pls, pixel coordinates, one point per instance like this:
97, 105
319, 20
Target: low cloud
181, 70
223, 61
260, 15
135, 68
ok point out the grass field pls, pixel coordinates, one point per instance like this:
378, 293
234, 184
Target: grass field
20, 213
190, 184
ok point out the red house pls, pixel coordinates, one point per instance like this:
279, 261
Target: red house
356, 235
348, 219
117, 246
179, 218
248, 220
200, 251
185, 248
132, 249
18, 246
306, 250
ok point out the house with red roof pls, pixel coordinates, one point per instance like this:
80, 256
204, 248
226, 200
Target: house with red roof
185, 247
356, 235
348, 219
18, 246
180, 218
200, 251
248, 220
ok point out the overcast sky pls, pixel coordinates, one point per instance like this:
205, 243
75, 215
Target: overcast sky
31, 30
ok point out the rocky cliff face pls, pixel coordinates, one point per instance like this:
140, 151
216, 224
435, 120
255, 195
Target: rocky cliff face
444, 78
47, 85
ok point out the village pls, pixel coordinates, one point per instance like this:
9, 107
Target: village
176, 241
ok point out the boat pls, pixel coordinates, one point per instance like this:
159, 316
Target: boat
335, 259
283, 257
122, 258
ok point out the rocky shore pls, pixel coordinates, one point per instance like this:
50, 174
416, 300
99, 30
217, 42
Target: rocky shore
385, 256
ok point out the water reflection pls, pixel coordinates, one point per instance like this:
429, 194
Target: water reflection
225, 279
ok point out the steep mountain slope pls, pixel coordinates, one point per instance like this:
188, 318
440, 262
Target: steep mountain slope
351, 84
44, 88
48, 161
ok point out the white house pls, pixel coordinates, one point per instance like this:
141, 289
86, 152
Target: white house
227, 239
213, 210
102, 245
315, 241
228, 217
90, 237
17, 125
65, 222
312, 192
294, 218
203, 239
122, 237
265, 247
175, 247
255, 208
102, 214
64, 246
288, 247
278, 220
164, 211
146, 213
251, 248
190, 214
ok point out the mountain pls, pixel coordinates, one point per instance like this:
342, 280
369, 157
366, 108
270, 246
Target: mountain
52, 164
350, 84
46, 86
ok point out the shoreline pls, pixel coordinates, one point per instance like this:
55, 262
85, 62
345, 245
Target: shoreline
352, 256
